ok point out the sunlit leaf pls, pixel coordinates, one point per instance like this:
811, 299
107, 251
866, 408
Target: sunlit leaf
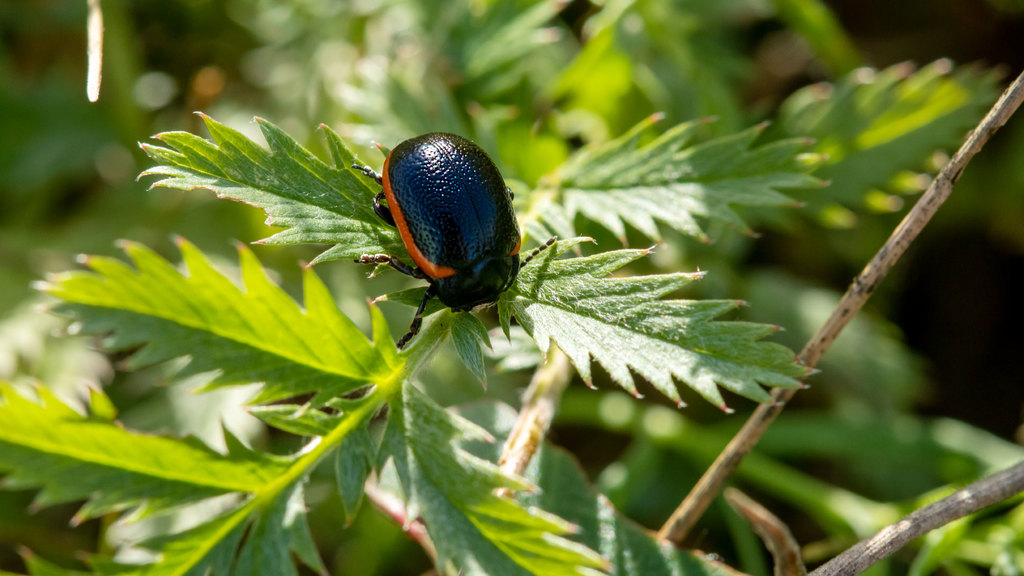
813, 20
625, 325
314, 201
256, 335
473, 529
671, 182
257, 540
630, 549
73, 457
873, 125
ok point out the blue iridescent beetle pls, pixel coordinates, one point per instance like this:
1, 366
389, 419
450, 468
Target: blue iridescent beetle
454, 213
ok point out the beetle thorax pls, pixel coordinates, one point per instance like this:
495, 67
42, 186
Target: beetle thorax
480, 284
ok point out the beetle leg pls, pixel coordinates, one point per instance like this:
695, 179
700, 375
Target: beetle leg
369, 172
394, 262
417, 319
538, 250
381, 210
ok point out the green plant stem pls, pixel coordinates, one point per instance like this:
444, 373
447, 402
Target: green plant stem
863, 286
385, 391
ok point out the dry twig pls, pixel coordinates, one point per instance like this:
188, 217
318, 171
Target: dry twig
539, 403
982, 493
710, 484
773, 532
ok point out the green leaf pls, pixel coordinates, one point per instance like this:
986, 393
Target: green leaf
468, 334
255, 335
868, 367
874, 124
493, 45
73, 457
352, 465
625, 326
678, 58
315, 202
473, 529
257, 538
295, 419
39, 567
565, 491
518, 352
207, 548
413, 297
277, 533
623, 182
813, 20
272, 521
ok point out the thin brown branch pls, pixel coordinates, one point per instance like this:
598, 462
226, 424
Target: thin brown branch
981, 494
539, 404
773, 532
710, 484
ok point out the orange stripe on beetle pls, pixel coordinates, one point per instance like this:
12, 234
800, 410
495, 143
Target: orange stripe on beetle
431, 269
465, 238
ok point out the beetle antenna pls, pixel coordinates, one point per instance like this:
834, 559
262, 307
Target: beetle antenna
417, 320
538, 250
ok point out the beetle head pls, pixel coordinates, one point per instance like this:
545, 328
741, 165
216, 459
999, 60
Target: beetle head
479, 284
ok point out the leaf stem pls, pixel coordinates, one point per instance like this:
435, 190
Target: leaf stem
539, 404
386, 390
696, 502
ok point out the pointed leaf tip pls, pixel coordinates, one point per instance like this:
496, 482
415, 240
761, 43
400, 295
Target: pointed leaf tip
201, 313
626, 182
596, 316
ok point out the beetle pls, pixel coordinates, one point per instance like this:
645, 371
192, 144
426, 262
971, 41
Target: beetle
454, 214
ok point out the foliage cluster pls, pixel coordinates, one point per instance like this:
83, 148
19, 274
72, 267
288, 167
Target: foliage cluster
231, 414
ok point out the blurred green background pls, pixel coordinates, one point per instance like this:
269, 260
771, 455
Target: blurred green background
925, 389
